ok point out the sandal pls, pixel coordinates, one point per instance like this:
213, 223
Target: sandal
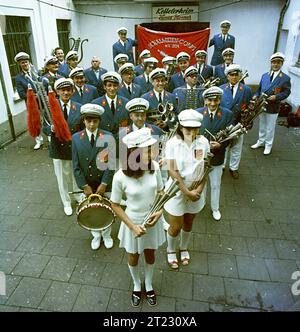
184, 256
172, 260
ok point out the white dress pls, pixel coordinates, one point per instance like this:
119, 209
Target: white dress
140, 194
190, 164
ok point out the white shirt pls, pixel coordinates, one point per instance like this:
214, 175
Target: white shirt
121, 41
97, 72
146, 77
213, 113
110, 100
78, 89
201, 67
89, 133
134, 127
126, 85
235, 88
224, 36
138, 199
157, 95
68, 105
189, 158
275, 74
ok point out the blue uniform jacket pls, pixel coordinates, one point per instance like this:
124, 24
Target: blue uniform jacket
136, 91
217, 41
92, 79
62, 69
222, 119
220, 72
63, 150
22, 85
176, 81
141, 81
184, 102
84, 158
65, 70
109, 121
89, 93
206, 73
280, 87
139, 69
126, 49
240, 101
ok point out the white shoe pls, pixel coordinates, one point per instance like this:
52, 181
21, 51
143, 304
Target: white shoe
267, 150
37, 145
68, 210
257, 145
95, 244
216, 215
108, 242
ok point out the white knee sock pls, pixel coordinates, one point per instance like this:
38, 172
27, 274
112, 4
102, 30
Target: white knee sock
149, 268
171, 243
184, 239
135, 275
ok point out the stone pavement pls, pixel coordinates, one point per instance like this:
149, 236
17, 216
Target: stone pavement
243, 263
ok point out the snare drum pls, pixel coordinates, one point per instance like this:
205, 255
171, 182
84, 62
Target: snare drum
95, 213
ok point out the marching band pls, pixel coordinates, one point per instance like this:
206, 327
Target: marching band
173, 131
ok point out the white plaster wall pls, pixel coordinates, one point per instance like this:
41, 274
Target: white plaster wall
101, 32
291, 25
254, 25
44, 34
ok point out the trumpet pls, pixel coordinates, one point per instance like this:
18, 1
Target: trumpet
161, 199
245, 75
163, 113
211, 82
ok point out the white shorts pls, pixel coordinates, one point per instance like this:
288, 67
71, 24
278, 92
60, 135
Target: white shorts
180, 205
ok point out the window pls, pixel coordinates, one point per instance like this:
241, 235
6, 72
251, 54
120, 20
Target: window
16, 39
63, 31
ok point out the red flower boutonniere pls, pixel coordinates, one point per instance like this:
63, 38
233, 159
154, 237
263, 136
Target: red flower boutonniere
205, 112
219, 114
120, 102
151, 94
73, 107
241, 88
86, 89
82, 135
101, 135
103, 103
227, 86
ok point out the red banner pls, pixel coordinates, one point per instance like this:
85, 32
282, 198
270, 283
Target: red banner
161, 44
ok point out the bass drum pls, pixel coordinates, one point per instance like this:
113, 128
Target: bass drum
95, 213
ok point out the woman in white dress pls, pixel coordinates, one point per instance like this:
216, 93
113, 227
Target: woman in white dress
139, 180
185, 154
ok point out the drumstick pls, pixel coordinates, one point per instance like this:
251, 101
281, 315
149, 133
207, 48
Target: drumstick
75, 192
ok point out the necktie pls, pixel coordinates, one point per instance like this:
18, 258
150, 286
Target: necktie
199, 69
92, 140
211, 117
160, 99
112, 107
232, 90
129, 90
65, 112
223, 39
271, 77
80, 92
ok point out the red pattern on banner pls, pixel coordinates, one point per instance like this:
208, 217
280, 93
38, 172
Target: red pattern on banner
161, 44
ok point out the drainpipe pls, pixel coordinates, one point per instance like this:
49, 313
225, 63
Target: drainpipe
280, 22
9, 115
